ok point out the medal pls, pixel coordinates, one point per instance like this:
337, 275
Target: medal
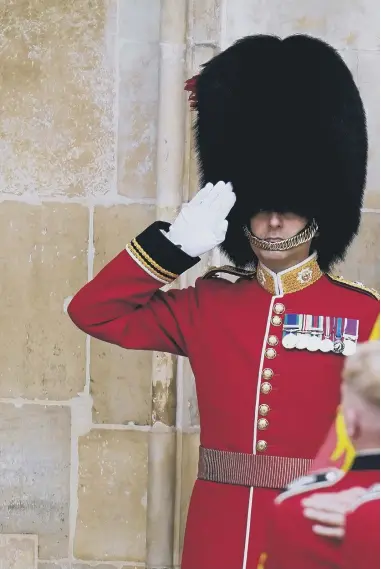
302, 338
338, 343
349, 347
315, 327
327, 334
338, 346
351, 329
326, 344
289, 341
291, 325
302, 341
313, 343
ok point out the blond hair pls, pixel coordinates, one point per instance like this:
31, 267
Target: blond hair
362, 372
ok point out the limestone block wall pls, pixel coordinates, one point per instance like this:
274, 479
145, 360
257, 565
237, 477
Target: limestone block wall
98, 445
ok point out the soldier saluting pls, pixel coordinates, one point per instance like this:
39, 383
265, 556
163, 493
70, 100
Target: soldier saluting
282, 124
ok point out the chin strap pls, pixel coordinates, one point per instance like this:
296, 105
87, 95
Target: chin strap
303, 236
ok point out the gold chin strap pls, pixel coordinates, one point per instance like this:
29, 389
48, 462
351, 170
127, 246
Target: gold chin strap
302, 237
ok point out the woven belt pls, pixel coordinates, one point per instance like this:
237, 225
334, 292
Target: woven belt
260, 471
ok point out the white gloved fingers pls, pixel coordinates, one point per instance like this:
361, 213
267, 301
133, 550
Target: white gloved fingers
213, 195
201, 225
219, 190
202, 195
221, 207
329, 518
220, 187
185, 213
326, 531
225, 203
330, 501
221, 231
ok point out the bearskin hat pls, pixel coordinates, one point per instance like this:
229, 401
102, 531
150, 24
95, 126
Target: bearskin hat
283, 121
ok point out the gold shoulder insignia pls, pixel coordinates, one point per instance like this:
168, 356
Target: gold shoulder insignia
354, 285
230, 270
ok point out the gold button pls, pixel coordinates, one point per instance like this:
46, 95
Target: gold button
263, 424
270, 353
261, 446
272, 341
279, 308
267, 373
266, 387
263, 409
276, 320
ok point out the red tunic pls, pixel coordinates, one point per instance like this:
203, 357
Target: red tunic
291, 543
254, 395
361, 547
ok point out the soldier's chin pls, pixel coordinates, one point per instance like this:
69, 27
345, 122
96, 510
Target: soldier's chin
264, 255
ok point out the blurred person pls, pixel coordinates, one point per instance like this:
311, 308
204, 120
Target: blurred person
337, 449
361, 545
308, 528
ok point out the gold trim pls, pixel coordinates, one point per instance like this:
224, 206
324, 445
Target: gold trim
291, 280
165, 273
355, 285
230, 270
150, 270
375, 333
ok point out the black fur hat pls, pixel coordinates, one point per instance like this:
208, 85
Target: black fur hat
283, 121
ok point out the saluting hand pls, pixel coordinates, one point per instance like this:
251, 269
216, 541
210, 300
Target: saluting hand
201, 225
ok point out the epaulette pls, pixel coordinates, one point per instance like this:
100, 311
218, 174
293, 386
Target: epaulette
230, 270
360, 287
315, 481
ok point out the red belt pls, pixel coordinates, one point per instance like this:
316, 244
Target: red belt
242, 469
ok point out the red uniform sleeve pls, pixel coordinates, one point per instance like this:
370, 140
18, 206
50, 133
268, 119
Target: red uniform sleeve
123, 304
361, 546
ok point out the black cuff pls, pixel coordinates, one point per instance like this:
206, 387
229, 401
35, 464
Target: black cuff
161, 258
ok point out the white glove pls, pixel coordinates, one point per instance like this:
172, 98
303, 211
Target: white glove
201, 225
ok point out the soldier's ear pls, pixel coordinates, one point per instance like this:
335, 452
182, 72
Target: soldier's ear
352, 423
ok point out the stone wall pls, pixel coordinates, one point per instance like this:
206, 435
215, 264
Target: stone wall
99, 445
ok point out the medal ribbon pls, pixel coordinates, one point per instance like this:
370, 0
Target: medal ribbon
327, 327
317, 324
292, 323
339, 328
305, 327
351, 328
